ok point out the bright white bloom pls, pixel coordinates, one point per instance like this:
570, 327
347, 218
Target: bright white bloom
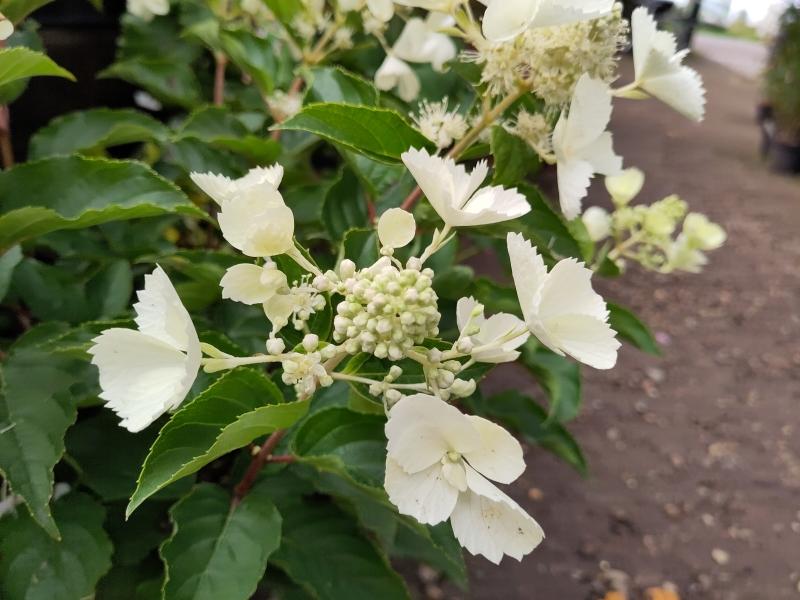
626, 186
494, 339
6, 28
439, 125
383, 10
251, 284
582, 145
396, 228
505, 19
221, 188
145, 373
441, 6
306, 372
597, 222
421, 42
560, 307
454, 193
395, 73
147, 9
659, 68
437, 463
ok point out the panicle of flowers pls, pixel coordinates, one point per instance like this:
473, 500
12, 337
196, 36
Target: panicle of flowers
646, 233
440, 125
550, 60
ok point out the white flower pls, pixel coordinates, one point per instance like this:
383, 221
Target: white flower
441, 6
560, 307
147, 9
659, 71
283, 106
221, 188
396, 228
439, 125
626, 186
702, 233
454, 193
436, 468
382, 10
582, 145
251, 284
6, 28
494, 340
145, 373
395, 73
421, 42
597, 222
505, 19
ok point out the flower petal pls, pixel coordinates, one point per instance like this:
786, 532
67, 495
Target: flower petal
426, 495
434, 179
396, 228
529, 272
160, 312
493, 205
218, 187
464, 310
141, 377
243, 283
625, 186
421, 429
487, 522
495, 328
500, 456
272, 175
574, 177
505, 19
394, 72
568, 291
553, 13
590, 340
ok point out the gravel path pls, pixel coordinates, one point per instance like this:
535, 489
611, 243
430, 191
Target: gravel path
695, 457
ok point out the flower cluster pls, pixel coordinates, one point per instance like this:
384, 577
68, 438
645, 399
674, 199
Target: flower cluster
645, 234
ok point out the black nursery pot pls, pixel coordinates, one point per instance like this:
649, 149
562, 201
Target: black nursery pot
784, 158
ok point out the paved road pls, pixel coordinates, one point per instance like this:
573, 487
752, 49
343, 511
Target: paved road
742, 56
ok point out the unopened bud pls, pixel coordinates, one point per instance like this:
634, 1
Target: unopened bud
464, 345
462, 388
392, 396
275, 346
310, 342
322, 283
347, 268
434, 355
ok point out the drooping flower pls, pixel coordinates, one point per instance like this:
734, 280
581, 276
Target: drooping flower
421, 41
437, 465
396, 73
146, 372
147, 9
505, 19
560, 307
659, 68
582, 145
252, 284
454, 193
494, 339
396, 228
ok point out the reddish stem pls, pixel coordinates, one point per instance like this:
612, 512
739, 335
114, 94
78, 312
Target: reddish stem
411, 199
219, 78
258, 462
6, 149
282, 458
297, 85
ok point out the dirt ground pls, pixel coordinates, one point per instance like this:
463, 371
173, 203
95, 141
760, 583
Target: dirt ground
694, 457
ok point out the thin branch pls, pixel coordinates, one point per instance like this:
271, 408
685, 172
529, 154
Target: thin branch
294, 89
6, 149
221, 61
258, 462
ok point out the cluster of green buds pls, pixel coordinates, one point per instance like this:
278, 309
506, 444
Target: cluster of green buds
386, 309
646, 233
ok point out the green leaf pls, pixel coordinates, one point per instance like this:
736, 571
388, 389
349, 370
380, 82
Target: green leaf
559, 377
92, 130
513, 158
8, 262
167, 79
36, 409
22, 63
521, 414
323, 551
631, 329
361, 246
34, 566
34, 199
378, 133
345, 206
253, 55
16, 10
352, 440
238, 408
334, 84
216, 550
